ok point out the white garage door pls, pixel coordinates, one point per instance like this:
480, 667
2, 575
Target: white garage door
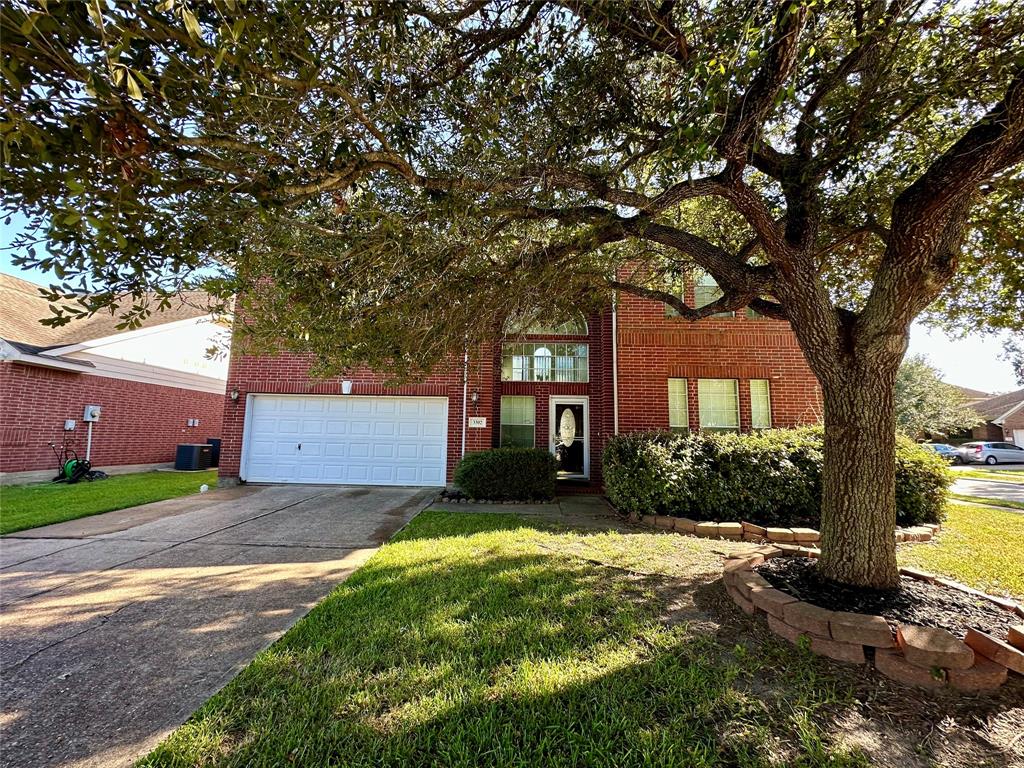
349, 440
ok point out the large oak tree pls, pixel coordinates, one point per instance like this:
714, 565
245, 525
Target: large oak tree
384, 183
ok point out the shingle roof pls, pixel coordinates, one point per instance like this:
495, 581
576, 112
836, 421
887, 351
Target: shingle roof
973, 395
24, 308
996, 406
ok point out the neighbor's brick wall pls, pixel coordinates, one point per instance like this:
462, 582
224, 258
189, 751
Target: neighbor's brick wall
141, 423
288, 373
654, 348
1013, 421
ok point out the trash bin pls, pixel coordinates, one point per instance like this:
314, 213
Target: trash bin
214, 443
193, 456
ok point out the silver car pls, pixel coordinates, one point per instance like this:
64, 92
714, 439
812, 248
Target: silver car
991, 453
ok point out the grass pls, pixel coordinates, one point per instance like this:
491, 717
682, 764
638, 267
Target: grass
29, 506
987, 500
1001, 475
485, 640
978, 546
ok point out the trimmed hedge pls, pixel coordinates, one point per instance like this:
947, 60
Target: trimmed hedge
508, 474
770, 478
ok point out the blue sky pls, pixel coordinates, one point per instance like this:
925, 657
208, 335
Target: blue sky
972, 361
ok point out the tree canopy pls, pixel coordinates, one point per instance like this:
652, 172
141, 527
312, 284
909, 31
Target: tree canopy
386, 182
926, 406
378, 161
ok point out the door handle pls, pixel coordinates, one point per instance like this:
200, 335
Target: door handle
300, 446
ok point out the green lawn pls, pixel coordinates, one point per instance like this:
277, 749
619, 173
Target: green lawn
987, 500
978, 546
1002, 475
29, 506
483, 640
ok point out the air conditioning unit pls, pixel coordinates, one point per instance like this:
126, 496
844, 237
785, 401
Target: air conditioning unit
193, 456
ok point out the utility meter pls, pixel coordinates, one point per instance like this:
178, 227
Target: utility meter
92, 413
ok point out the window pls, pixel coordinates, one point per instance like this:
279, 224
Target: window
678, 413
545, 361
718, 401
518, 420
760, 404
574, 326
706, 291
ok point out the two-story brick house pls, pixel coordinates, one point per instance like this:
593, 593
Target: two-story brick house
564, 385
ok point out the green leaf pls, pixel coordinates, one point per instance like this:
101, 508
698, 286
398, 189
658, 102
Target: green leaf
133, 87
191, 24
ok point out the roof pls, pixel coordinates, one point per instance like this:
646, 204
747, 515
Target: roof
998, 407
25, 308
973, 395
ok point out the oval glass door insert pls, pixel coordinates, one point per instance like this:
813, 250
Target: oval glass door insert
567, 428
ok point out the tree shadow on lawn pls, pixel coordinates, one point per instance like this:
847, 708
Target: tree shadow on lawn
464, 644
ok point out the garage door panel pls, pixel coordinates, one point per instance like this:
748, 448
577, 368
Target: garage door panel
347, 440
385, 408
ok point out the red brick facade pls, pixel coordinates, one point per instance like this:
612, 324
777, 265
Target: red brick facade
651, 349
141, 423
654, 347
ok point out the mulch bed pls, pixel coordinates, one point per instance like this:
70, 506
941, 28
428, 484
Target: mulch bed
915, 602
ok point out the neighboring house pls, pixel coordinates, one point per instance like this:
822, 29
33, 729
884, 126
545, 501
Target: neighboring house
154, 384
1004, 418
565, 386
972, 396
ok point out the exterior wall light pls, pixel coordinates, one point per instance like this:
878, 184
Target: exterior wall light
234, 395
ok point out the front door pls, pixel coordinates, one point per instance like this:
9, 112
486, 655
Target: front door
569, 436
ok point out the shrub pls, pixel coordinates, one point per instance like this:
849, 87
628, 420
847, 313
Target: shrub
508, 474
922, 478
769, 478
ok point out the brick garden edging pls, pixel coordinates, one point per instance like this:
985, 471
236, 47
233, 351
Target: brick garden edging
923, 656
744, 531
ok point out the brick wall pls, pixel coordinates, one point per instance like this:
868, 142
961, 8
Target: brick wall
1015, 421
654, 348
141, 423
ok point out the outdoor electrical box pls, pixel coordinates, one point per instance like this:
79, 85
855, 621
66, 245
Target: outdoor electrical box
92, 413
69, 424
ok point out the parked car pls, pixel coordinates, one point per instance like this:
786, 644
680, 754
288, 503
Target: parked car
991, 453
946, 451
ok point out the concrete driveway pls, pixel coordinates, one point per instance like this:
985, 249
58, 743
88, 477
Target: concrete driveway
992, 489
115, 628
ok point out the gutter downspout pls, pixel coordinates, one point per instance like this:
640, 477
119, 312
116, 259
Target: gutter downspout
615, 363
465, 396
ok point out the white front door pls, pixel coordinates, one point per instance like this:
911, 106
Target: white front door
1018, 437
345, 440
569, 427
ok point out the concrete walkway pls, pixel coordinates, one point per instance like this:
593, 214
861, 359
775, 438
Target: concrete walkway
115, 628
992, 489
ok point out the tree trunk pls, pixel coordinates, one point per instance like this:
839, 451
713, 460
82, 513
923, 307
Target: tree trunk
858, 513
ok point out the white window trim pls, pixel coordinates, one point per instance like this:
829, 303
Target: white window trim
736, 394
768, 404
685, 404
